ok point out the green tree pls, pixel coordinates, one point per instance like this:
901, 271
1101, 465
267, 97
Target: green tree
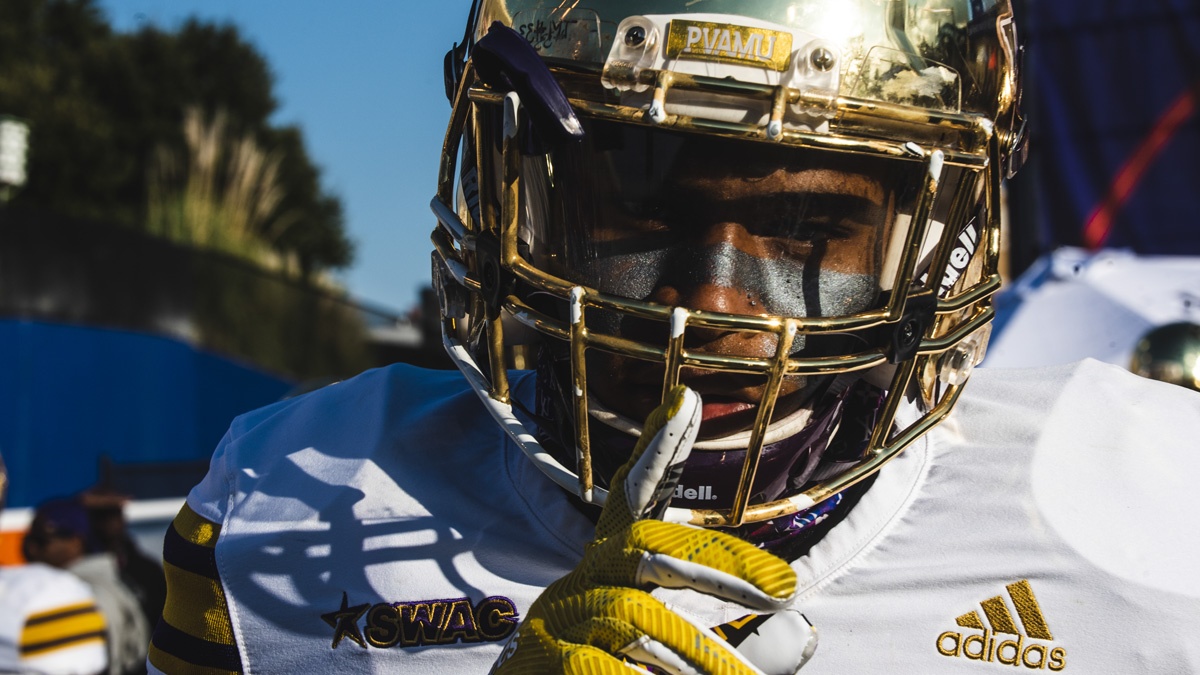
310, 221
54, 55
108, 114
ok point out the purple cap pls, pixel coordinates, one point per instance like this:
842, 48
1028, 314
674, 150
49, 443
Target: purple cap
62, 517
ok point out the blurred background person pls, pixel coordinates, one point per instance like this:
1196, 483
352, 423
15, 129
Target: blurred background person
140, 573
61, 535
49, 621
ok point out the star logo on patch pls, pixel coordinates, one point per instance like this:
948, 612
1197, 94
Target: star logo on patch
344, 622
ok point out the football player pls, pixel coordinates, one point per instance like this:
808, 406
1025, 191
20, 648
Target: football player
741, 255
50, 623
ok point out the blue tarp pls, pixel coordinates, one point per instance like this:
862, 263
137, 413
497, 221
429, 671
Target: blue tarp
71, 394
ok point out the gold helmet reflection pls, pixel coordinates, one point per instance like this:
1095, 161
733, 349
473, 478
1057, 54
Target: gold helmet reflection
929, 85
1170, 353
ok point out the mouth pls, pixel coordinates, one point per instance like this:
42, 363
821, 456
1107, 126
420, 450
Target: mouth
720, 416
714, 410
730, 401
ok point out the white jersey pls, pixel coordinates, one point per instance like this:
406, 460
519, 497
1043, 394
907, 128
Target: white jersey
386, 523
128, 629
49, 623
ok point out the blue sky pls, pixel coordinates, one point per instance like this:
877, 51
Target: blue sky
363, 80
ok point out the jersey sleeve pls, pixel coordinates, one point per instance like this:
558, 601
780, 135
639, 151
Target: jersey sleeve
195, 634
63, 632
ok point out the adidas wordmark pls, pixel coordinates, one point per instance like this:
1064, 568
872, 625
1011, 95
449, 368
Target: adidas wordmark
994, 644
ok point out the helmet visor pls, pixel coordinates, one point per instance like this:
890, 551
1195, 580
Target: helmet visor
717, 224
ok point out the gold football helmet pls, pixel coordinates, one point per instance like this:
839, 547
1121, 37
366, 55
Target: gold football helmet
813, 184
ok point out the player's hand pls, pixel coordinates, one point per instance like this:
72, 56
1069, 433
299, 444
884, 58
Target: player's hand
602, 614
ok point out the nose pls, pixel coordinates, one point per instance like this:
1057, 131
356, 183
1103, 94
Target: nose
702, 278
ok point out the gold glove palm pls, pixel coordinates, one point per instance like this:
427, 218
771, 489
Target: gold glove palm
602, 613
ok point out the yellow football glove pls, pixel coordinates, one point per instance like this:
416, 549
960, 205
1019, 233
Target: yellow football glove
602, 612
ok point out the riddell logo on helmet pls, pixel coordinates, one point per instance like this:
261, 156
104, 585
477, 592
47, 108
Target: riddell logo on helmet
993, 646
701, 493
960, 257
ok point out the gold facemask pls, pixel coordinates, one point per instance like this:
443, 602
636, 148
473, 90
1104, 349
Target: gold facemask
928, 88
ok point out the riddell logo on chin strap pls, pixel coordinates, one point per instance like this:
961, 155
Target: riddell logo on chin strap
703, 493
995, 644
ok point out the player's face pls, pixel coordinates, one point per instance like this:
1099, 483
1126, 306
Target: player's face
56, 549
758, 234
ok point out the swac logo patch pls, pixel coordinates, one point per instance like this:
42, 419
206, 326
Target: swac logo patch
425, 622
992, 647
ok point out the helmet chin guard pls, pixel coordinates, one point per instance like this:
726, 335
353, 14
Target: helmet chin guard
778, 84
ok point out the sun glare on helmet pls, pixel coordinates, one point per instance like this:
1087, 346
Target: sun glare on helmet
839, 22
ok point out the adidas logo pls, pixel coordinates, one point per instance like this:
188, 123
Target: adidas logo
992, 646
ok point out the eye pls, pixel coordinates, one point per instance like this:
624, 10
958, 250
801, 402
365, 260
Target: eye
806, 229
813, 217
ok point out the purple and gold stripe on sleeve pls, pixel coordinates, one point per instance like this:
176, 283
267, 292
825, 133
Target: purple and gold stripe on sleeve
195, 634
61, 628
